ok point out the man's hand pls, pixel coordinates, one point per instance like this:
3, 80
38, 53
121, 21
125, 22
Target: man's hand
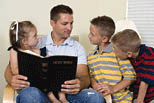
19, 82
16, 81
71, 86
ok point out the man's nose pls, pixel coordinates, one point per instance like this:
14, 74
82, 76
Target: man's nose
89, 36
69, 27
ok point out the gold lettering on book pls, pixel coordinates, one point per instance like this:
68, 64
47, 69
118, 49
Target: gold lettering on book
62, 62
67, 62
57, 62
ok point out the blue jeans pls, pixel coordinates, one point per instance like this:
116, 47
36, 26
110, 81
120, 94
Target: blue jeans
34, 95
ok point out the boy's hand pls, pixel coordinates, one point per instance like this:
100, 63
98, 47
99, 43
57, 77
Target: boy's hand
139, 101
95, 86
104, 89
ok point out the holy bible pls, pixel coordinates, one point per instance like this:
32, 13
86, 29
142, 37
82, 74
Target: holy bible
47, 73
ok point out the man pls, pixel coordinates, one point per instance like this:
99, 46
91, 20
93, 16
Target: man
59, 43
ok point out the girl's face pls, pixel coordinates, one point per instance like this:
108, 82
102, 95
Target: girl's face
32, 39
94, 35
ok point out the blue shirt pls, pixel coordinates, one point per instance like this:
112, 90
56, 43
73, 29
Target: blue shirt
69, 47
144, 68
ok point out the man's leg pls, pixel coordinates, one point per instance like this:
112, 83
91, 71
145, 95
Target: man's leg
31, 95
86, 96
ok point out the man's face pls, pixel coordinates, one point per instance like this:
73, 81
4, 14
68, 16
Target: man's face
63, 26
119, 53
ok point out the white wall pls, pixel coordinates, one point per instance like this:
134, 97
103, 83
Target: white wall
37, 11
116, 9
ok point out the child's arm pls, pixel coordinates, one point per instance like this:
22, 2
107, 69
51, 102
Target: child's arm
142, 92
36, 50
121, 85
53, 98
106, 89
13, 62
129, 76
98, 86
94, 83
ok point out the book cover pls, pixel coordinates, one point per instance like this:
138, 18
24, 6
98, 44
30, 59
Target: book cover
47, 73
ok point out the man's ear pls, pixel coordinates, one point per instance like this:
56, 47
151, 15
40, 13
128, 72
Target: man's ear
129, 54
52, 23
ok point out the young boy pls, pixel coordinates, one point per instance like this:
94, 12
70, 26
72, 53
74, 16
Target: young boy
109, 74
127, 44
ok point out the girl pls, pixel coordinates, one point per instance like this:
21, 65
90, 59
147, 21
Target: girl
23, 36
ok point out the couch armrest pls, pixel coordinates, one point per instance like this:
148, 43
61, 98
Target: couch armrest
9, 94
108, 99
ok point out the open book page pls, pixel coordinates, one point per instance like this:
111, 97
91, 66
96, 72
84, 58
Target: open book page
33, 53
30, 52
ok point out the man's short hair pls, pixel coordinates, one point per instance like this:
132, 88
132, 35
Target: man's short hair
55, 11
105, 24
127, 40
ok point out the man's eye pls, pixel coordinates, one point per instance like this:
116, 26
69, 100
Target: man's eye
64, 23
92, 34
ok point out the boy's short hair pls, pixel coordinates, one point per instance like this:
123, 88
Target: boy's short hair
55, 11
105, 24
127, 40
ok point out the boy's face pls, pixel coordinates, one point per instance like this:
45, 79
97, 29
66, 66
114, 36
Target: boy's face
119, 53
94, 35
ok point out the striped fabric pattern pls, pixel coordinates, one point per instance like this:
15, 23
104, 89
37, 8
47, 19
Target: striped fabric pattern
109, 69
144, 67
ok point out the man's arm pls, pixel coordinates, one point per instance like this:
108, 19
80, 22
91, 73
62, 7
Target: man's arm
94, 83
82, 81
83, 76
16, 81
8, 74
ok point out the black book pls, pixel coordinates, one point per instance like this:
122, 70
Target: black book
47, 73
